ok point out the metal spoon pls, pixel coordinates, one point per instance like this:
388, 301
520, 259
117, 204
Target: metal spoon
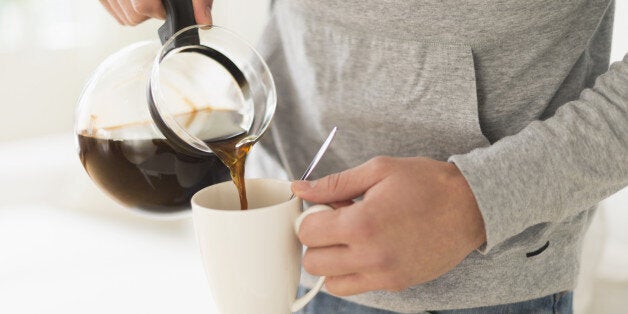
318, 156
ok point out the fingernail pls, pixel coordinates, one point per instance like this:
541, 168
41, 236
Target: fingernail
303, 185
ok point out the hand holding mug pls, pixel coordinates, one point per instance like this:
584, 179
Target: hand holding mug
417, 220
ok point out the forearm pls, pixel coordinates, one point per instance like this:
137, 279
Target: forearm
555, 168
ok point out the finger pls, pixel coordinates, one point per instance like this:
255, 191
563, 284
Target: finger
342, 186
346, 285
203, 11
152, 8
324, 228
329, 261
132, 16
115, 6
109, 9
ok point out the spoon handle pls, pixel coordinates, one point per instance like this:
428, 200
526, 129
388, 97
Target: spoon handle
318, 156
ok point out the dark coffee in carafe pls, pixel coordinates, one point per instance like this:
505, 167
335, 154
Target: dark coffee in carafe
146, 173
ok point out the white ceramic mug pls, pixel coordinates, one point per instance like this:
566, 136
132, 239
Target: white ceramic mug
252, 257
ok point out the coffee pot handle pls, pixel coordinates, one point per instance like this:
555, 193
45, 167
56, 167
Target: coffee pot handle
179, 15
305, 299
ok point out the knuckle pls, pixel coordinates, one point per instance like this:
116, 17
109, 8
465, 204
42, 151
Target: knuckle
345, 227
136, 19
381, 261
334, 181
363, 228
143, 7
380, 163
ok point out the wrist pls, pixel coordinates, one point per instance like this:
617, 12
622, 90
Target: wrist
467, 207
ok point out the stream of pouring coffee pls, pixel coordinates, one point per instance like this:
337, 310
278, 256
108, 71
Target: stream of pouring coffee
227, 149
234, 157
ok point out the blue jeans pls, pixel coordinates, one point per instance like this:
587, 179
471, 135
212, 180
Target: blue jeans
560, 303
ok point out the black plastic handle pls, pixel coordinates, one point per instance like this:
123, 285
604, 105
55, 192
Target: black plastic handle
179, 15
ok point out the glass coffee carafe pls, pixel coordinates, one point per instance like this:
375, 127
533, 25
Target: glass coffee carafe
147, 113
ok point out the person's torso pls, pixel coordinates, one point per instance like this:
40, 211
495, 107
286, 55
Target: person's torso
435, 78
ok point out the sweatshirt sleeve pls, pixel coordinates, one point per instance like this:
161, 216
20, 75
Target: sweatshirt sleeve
555, 168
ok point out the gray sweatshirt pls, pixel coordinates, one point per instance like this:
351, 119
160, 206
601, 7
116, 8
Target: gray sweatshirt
518, 94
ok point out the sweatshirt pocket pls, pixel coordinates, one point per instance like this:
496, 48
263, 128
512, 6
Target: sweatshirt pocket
387, 96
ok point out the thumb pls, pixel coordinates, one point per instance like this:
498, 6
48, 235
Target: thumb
341, 186
203, 11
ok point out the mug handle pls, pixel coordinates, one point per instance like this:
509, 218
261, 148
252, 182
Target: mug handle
302, 301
